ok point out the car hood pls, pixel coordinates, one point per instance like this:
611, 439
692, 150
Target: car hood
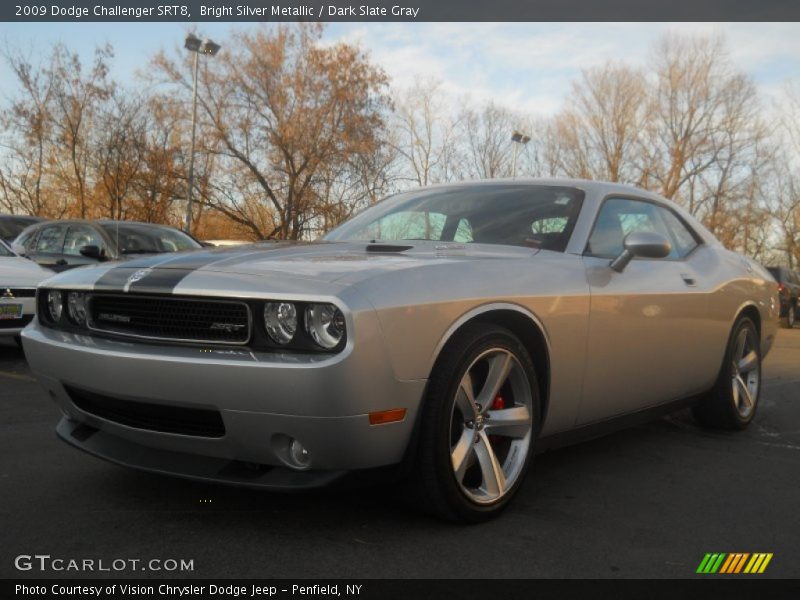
342, 263
20, 272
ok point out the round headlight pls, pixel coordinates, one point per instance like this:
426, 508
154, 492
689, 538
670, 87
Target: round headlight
280, 319
55, 305
76, 307
325, 325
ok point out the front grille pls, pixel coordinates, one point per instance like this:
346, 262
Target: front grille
171, 318
15, 323
6, 292
199, 422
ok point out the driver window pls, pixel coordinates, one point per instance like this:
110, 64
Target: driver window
78, 237
617, 218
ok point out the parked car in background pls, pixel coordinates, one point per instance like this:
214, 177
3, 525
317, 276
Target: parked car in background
789, 291
12, 225
18, 280
62, 245
446, 331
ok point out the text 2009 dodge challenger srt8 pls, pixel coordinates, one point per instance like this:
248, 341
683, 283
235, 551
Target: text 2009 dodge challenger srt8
447, 329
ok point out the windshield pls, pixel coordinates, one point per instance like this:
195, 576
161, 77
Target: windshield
4, 250
142, 239
511, 214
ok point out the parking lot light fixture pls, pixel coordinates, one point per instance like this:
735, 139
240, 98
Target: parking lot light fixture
209, 48
518, 139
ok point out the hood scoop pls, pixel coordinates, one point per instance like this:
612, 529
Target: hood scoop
387, 248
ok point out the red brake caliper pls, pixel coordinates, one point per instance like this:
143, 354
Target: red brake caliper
498, 404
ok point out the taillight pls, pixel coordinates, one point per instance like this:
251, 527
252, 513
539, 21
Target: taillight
780, 288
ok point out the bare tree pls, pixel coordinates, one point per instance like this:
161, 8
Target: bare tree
279, 109
76, 103
424, 136
598, 134
27, 136
118, 155
487, 141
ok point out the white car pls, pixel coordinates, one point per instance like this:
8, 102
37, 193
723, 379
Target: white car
18, 280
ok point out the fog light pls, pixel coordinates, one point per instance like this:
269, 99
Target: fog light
299, 455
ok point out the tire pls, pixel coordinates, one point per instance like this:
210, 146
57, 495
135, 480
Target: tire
733, 401
791, 316
497, 439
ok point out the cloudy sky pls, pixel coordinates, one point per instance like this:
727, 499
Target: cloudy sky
526, 66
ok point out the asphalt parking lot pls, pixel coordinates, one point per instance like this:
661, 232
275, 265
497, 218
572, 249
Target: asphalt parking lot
646, 502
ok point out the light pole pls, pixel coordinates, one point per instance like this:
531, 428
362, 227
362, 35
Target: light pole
198, 46
518, 139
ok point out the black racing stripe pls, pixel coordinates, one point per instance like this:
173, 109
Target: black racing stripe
159, 281
174, 268
113, 280
164, 273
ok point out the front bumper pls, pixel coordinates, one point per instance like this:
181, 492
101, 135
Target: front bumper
9, 327
322, 401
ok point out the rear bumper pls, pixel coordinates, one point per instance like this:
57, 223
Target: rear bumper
785, 303
324, 402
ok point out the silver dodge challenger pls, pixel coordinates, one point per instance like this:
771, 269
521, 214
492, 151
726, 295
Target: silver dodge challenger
442, 334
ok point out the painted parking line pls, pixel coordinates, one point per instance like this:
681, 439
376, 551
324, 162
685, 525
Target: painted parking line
17, 376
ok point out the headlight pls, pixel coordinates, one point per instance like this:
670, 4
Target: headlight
55, 305
76, 307
280, 319
325, 324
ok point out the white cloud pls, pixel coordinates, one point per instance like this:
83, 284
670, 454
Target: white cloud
529, 66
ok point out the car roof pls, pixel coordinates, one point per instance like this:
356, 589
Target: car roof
587, 185
107, 222
29, 218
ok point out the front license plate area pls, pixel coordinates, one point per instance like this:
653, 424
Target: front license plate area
10, 311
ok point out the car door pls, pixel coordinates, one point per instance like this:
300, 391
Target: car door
79, 236
48, 247
647, 324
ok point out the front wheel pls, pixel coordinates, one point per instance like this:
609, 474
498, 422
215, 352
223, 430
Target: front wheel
733, 401
791, 316
478, 424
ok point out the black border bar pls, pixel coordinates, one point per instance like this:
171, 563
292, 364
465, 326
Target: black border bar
390, 10
701, 588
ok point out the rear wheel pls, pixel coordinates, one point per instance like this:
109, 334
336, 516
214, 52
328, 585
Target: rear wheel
733, 401
478, 425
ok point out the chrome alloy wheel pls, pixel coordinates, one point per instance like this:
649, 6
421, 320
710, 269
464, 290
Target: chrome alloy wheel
745, 373
491, 426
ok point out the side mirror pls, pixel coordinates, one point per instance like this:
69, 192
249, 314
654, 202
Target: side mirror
92, 251
641, 244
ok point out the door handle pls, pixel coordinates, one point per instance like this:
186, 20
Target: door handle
688, 279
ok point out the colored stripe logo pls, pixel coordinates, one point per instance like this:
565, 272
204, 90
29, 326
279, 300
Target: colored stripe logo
734, 563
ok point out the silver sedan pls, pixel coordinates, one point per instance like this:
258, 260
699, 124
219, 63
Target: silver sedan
442, 334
